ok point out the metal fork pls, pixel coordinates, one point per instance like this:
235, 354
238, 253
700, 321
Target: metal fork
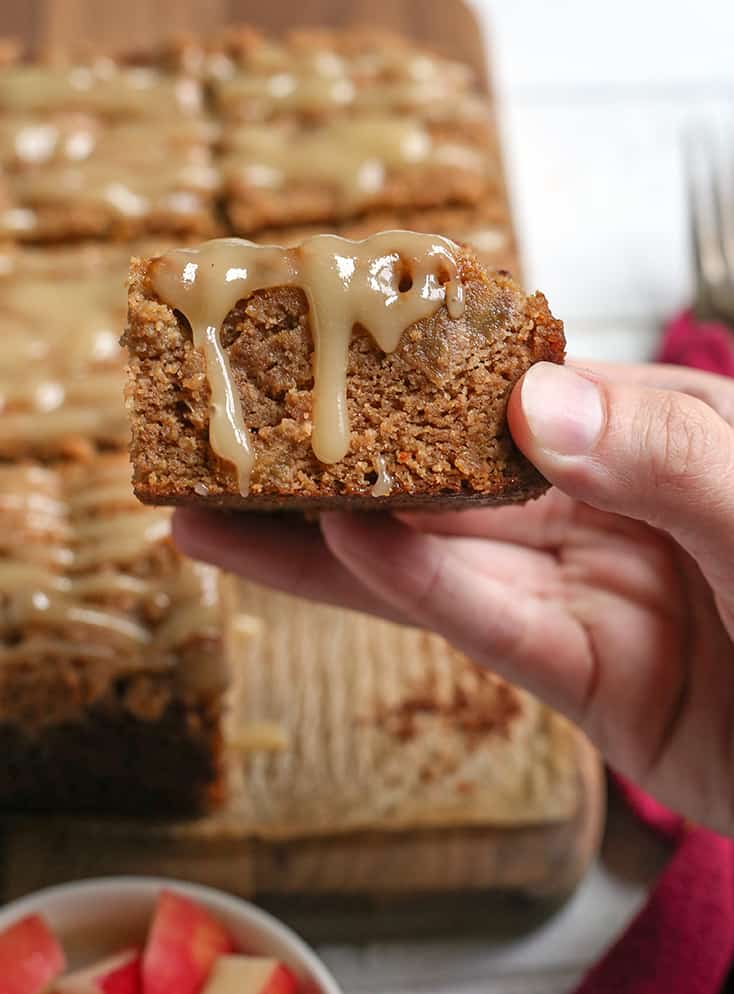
710, 194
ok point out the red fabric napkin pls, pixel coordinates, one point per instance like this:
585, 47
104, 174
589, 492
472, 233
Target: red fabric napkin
682, 941
703, 344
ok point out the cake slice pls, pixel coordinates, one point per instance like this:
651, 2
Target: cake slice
61, 373
108, 87
134, 178
290, 173
112, 656
104, 147
62, 369
372, 373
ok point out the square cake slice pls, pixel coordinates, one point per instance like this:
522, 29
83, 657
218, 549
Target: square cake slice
61, 373
368, 374
134, 178
112, 662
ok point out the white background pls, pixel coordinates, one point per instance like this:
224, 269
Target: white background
595, 97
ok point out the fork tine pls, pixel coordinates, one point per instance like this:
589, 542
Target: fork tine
726, 212
703, 196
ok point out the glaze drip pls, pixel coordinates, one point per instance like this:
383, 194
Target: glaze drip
384, 284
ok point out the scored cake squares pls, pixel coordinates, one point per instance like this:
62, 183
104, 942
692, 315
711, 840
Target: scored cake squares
399, 767
374, 372
112, 648
286, 173
312, 75
104, 148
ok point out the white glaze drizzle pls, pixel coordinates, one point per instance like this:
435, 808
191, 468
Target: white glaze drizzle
384, 284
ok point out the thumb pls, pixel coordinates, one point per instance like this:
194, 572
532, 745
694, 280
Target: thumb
656, 455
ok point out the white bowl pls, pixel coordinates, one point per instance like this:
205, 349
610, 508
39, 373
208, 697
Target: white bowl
94, 918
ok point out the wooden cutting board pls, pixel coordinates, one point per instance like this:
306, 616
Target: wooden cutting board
448, 26
542, 860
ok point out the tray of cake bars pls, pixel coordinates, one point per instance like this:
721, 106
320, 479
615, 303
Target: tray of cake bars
157, 716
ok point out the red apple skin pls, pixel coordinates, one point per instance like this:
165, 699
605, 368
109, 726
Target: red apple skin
282, 981
183, 944
30, 957
251, 975
118, 974
126, 979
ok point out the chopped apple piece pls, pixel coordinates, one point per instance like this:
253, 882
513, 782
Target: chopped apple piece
250, 975
119, 974
30, 957
183, 944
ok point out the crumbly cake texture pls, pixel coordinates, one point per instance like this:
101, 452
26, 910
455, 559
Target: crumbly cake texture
112, 667
434, 410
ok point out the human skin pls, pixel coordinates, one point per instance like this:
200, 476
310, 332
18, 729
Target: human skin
611, 597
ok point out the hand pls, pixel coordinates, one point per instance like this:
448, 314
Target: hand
612, 597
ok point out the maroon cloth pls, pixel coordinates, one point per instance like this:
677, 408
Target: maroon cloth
682, 941
705, 345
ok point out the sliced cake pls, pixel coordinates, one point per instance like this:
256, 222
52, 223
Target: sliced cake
112, 656
373, 372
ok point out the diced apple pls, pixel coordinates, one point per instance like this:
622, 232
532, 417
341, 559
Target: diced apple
119, 974
183, 944
30, 957
250, 975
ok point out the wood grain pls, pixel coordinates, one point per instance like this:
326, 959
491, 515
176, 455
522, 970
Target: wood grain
543, 861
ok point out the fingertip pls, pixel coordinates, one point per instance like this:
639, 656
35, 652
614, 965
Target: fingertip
558, 413
516, 418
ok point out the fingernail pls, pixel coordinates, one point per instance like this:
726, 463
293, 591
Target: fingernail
564, 410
